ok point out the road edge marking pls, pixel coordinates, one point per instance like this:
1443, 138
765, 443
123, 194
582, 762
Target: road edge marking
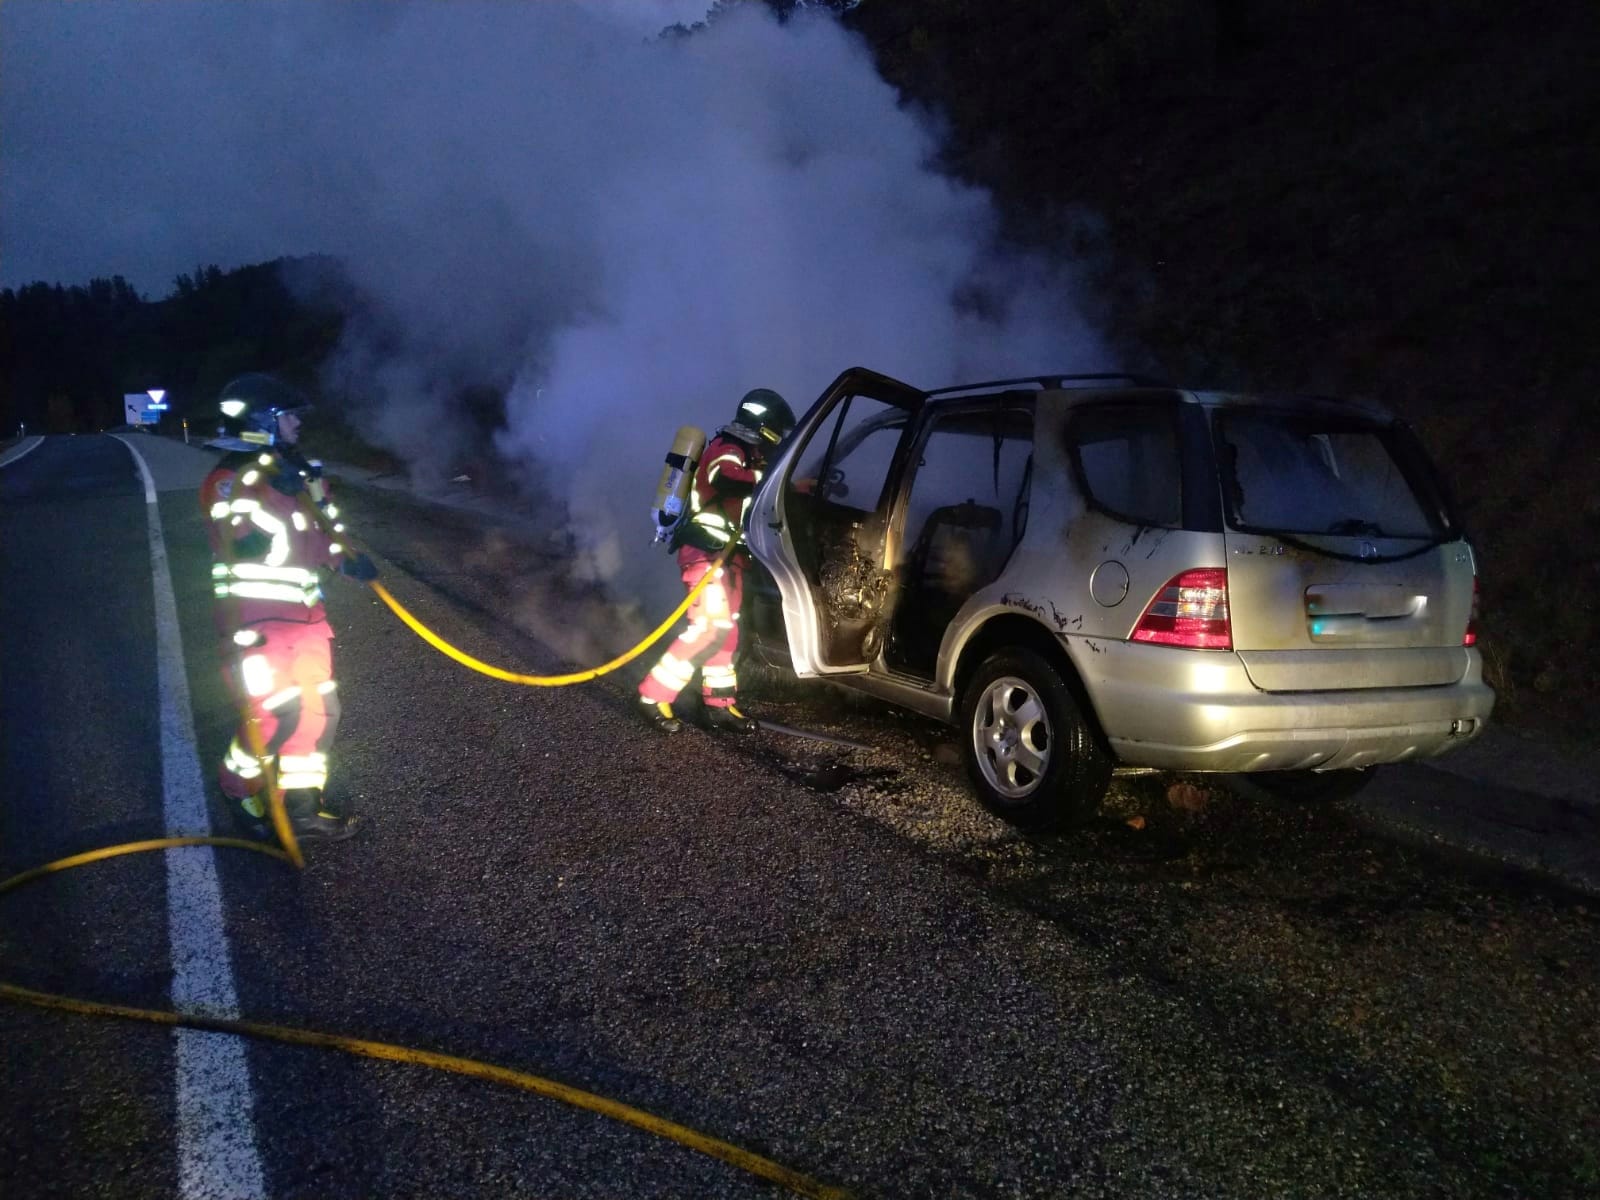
33, 444
217, 1152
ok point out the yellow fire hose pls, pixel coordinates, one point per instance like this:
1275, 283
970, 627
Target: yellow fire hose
727, 1152
289, 852
466, 660
288, 848
275, 805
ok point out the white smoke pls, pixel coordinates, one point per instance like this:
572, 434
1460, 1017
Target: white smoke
623, 231
771, 218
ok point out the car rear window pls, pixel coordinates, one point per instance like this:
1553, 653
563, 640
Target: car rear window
1128, 461
1295, 472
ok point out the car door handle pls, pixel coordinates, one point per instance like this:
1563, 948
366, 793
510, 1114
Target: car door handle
774, 524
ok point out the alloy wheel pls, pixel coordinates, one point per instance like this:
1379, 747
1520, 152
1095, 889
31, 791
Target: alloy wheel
1012, 736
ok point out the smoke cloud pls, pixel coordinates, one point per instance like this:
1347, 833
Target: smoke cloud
620, 231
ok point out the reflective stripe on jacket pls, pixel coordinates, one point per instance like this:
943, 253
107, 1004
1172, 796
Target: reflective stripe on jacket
728, 473
267, 547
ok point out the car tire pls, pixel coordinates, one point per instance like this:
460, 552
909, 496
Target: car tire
1307, 787
1031, 754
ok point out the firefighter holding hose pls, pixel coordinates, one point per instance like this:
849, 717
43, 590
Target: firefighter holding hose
723, 481
272, 529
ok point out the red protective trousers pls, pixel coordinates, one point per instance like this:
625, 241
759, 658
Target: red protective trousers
285, 682
710, 640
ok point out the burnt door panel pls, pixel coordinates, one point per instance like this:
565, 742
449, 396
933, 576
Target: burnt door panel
837, 504
818, 522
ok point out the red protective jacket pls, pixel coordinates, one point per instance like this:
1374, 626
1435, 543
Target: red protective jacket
727, 475
266, 542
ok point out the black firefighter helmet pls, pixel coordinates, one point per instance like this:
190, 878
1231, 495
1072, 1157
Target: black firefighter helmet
251, 406
766, 414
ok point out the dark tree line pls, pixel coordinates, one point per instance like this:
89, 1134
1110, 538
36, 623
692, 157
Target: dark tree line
68, 354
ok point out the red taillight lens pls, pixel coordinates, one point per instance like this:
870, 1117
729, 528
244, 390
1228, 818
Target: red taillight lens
1470, 638
1192, 610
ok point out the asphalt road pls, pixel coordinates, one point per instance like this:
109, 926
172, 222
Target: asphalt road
830, 957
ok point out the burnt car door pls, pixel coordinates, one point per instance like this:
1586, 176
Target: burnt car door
819, 522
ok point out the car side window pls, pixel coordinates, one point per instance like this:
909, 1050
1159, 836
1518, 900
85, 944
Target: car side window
848, 460
967, 507
1128, 461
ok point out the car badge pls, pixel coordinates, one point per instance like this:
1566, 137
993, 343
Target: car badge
1368, 550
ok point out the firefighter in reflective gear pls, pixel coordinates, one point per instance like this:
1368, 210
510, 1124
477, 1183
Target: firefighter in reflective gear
727, 475
268, 515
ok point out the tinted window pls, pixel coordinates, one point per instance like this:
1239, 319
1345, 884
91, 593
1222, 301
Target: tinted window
964, 515
1307, 473
968, 502
1128, 461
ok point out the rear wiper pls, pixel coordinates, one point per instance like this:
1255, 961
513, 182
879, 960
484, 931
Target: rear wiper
1365, 560
1356, 525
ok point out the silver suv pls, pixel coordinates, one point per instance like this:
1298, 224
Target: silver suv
1086, 573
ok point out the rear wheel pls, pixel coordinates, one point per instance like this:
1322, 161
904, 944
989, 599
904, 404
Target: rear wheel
1030, 753
1307, 786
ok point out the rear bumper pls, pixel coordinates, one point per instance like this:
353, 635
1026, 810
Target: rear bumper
1183, 710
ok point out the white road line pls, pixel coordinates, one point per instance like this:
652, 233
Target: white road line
33, 444
217, 1156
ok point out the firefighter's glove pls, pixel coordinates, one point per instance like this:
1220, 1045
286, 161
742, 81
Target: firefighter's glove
359, 566
290, 482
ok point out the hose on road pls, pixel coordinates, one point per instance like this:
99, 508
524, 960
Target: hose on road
736, 1156
550, 681
289, 851
745, 1160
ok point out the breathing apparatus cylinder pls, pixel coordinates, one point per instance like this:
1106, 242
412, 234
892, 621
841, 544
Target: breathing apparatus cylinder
677, 478
316, 485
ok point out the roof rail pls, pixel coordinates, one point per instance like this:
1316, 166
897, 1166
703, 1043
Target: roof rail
1051, 382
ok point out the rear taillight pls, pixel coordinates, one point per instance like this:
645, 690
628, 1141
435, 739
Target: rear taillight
1470, 638
1192, 610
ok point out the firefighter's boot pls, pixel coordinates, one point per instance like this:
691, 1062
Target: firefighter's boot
729, 719
311, 822
662, 717
249, 814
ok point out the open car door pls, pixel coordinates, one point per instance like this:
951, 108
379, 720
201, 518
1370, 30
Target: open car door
819, 520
